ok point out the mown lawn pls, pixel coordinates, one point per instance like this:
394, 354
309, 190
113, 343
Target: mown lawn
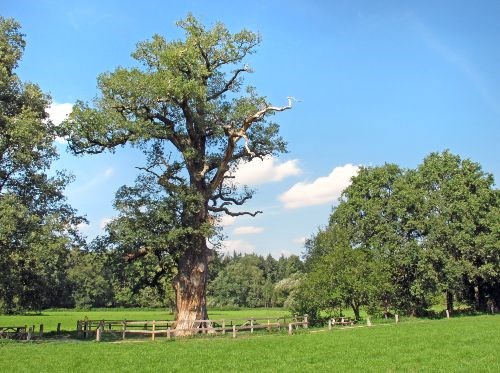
462, 344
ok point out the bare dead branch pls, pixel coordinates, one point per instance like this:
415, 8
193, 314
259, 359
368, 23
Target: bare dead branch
232, 213
228, 85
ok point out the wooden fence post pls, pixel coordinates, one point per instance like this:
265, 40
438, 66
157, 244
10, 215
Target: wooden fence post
153, 331
41, 331
306, 325
223, 326
251, 325
330, 324
234, 331
78, 329
30, 334
290, 328
98, 335
168, 333
58, 328
397, 318
124, 328
368, 322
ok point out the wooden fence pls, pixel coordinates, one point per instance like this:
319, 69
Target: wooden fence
23, 332
154, 328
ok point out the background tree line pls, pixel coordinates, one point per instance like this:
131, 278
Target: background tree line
104, 279
400, 240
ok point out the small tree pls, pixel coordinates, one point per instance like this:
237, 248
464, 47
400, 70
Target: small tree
182, 108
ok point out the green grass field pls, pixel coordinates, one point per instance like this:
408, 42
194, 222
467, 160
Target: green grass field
462, 344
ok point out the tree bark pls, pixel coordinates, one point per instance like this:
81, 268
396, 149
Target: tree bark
449, 301
355, 308
190, 288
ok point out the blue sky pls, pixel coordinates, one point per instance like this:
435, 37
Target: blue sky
379, 81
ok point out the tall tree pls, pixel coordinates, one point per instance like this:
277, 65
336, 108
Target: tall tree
182, 107
36, 225
458, 203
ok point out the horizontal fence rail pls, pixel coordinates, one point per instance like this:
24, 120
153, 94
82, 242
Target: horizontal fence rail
86, 328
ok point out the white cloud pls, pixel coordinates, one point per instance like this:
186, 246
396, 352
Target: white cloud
239, 246
250, 229
322, 190
83, 227
59, 112
260, 171
104, 222
300, 240
227, 220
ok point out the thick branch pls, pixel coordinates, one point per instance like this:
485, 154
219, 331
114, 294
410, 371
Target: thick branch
231, 213
261, 113
228, 85
235, 135
136, 255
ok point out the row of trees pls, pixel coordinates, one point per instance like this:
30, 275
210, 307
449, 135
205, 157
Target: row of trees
103, 279
399, 238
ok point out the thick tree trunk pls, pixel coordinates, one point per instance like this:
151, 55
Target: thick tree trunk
355, 308
190, 288
449, 301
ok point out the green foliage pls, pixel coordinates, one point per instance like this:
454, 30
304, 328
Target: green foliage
252, 281
399, 237
186, 106
37, 227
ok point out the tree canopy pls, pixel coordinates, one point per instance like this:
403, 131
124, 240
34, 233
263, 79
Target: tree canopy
186, 106
398, 238
37, 226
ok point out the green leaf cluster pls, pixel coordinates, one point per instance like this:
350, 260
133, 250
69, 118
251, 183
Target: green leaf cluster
400, 237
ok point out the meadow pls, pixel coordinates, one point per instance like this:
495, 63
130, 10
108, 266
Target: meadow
468, 343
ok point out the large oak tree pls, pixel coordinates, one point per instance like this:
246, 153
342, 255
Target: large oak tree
187, 108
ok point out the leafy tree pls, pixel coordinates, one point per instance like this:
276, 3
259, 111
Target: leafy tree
184, 107
37, 227
414, 233
458, 205
239, 284
346, 276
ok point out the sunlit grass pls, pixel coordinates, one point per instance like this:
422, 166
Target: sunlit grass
467, 344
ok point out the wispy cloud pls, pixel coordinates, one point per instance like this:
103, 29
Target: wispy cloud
322, 190
238, 246
250, 229
458, 61
269, 169
95, 181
